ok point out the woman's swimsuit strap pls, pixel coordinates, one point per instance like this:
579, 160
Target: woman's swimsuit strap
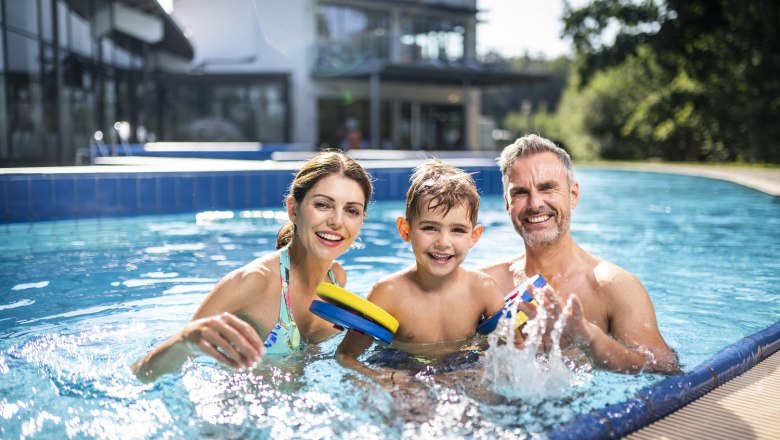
285, 329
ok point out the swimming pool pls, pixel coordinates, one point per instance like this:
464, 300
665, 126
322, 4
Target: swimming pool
82, 299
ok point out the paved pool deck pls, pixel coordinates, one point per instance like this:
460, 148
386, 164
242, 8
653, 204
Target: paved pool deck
763, 179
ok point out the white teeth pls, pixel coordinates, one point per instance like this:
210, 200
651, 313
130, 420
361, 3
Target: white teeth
538, 219
439, 256
331, 237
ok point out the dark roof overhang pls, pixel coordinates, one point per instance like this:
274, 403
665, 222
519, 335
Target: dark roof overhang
173, 41
434, 73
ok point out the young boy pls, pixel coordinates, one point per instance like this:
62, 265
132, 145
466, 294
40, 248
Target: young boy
435, 300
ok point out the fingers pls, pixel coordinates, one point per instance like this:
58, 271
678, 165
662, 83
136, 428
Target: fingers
228, 356
227, 339
528, 308
248, 333
576, 308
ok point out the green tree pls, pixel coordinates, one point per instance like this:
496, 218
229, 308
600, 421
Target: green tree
704, 72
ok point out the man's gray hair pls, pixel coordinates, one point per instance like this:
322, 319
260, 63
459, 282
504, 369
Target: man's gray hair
529, 145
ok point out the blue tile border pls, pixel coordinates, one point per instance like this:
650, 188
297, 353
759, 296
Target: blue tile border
662, 398
34, 197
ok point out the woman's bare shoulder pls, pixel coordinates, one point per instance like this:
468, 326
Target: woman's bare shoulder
254, 278
339, 273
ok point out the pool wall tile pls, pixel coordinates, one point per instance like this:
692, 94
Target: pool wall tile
146, 194
86, 196
167, 197
107, 198
46, 196
64, 196
239, 191
126, 195
185, 194
18, 198
221, 197
41, 196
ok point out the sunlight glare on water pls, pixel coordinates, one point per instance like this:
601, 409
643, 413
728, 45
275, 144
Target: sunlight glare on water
81, 300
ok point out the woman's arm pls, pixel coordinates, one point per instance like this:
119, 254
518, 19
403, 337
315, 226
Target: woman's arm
213, 330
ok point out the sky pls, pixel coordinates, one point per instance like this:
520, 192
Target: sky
514, 27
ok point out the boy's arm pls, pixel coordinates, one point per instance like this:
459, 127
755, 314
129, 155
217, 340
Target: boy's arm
352, 346
492, 298
494, 301
355, 344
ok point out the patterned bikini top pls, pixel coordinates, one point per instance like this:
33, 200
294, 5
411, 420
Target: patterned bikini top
285, 337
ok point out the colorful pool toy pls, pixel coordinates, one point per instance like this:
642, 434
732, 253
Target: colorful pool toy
519, 293
347, 310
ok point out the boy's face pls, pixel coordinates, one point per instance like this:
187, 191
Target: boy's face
440, 242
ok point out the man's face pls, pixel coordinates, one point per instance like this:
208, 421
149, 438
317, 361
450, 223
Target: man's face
539, 199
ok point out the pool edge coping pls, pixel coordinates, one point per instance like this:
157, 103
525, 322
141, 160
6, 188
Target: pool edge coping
662, 398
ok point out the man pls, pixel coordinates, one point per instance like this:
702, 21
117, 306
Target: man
611, 316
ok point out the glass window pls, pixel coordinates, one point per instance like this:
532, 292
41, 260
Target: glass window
441, 127
5, 153
47, 24
2, 52
80, 36
23, 54
23, 14
25, 105
432, 38
347, 124
348, 35
224, 109
62, 23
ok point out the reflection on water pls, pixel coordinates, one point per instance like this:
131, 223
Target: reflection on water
81, 300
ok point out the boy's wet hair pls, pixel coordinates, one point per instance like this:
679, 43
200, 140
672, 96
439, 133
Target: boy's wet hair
437, 186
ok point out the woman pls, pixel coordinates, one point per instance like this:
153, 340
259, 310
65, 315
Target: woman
263, 307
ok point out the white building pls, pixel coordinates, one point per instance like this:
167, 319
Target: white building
350, 73
310, 73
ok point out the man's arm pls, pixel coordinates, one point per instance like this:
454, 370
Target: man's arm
634, 342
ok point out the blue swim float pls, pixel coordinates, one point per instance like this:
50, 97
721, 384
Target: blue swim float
347, 320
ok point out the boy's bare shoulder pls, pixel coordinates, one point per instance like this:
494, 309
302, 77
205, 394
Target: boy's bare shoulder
392, 286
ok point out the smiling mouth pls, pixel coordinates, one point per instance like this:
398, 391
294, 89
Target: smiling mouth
330, 237
538, 218
442, 258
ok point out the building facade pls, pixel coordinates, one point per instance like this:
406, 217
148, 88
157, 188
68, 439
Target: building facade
396, 74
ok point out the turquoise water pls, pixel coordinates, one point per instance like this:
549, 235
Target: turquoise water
81, 300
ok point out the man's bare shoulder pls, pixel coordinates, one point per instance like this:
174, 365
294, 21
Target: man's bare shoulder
609, 277
502, 266
505, 272
478, 278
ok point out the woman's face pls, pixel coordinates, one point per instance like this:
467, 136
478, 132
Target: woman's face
330, 216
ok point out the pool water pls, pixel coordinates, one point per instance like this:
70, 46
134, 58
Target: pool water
81, 300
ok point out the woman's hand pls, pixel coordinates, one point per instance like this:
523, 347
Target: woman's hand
225, 337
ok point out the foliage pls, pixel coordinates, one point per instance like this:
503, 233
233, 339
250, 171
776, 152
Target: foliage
683, 80
505, 103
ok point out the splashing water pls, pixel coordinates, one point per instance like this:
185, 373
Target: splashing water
527, 373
